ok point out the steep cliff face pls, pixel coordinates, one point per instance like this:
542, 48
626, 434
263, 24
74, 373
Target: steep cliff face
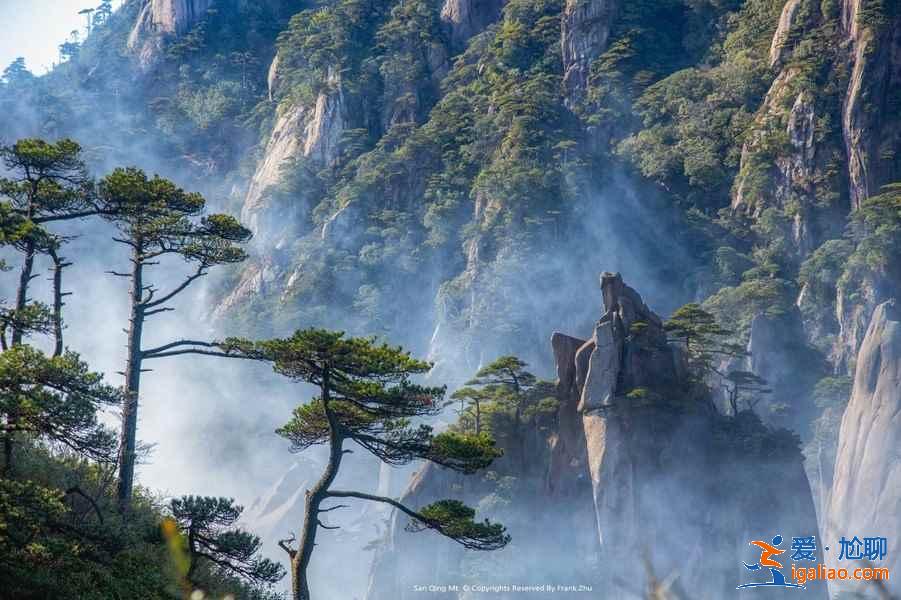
824, 140
466, 18
870, 116
657, 461
586, 31
778, 353
788, 160
301, 133
866, 494
159, 18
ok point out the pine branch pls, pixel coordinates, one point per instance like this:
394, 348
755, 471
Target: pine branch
201, 271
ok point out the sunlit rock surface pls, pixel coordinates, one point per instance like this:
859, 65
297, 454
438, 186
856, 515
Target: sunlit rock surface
159, 18
866, 493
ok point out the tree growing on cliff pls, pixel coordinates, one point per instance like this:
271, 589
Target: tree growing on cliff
365, 396
505, 384
157, 219
747, 387
705, 340
474, 399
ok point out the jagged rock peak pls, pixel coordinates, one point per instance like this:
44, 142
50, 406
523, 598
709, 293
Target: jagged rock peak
625, 302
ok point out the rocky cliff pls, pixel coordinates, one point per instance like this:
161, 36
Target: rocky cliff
161, 18
636, 447
466, 18
866, 494
824, 139
586, 31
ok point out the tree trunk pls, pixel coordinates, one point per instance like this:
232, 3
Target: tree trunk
132, 386
478, 418
300, 561
58, 266
25, 277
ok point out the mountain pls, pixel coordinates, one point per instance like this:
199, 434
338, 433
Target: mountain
451, 174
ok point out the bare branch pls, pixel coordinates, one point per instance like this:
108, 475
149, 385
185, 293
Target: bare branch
201, 271
197, 351
283, 544
151, 351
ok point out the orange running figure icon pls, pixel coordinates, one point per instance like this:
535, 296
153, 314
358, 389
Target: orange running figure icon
768, 551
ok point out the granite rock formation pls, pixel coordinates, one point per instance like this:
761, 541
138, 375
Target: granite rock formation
161, 18
866, 491
637, 464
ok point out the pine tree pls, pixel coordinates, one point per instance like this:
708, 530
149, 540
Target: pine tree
56, 400
48, 183
17, 73
705, 340
157, 219
508, 382
366, 396
213, 541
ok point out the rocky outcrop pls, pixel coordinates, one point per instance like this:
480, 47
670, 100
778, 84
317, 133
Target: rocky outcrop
782, 42
866, 493
466, 18
871, 121
856, 300
586, 32
567, 473
655, 463
161, 18
301, 133
792, 179
637, 464
853, 123
273, 77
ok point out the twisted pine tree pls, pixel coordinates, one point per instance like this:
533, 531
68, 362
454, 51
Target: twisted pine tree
157, 219
366, 396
